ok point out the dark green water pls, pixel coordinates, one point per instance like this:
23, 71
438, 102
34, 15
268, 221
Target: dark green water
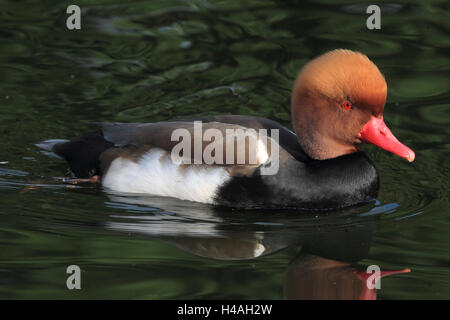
155, 60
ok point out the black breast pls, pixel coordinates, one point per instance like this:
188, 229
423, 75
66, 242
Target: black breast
310, 185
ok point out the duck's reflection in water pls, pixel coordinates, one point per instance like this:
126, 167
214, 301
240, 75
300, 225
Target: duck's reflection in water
331, 244
326, 269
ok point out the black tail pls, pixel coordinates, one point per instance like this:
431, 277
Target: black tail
82, 154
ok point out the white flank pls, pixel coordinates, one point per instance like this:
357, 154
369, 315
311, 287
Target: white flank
259, 250
262, 155
155, 174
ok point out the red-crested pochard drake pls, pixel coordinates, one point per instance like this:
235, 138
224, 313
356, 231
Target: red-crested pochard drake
337, 103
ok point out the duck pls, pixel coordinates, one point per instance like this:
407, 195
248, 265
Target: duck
337, 105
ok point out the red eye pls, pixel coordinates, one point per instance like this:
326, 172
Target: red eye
347, 105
